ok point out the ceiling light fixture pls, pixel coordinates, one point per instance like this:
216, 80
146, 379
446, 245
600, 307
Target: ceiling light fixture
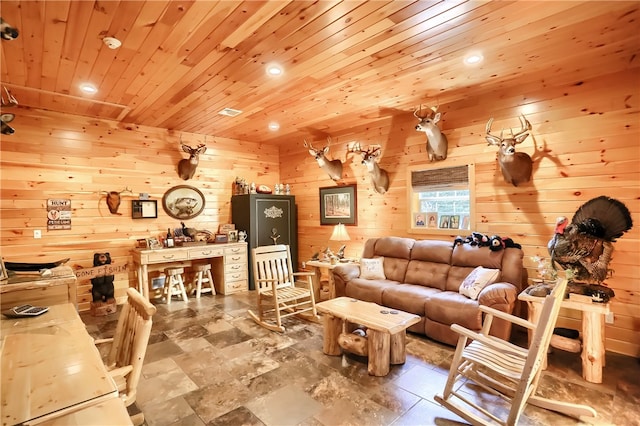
112, 42
273, 126
274, 69
89, 89
473, 59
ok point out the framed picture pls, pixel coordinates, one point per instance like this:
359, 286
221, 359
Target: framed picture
222, 238
142, 209
432, 220
153, 243
419, 220
233, 236
142, 243
444, 221
465, 222
183, 202
3, 270
454, 221
338, 204
224, 228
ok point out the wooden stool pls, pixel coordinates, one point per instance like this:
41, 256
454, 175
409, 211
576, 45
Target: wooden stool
203, 275
174, 284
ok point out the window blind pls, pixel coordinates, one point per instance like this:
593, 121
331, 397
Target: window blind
440, 178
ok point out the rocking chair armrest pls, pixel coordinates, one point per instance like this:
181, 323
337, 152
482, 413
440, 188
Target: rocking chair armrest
121, 371
493, 342
507, 317
101, 341
303, 274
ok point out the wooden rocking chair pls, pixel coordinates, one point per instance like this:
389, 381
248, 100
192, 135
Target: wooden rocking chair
504, 369
129, 346
280, 291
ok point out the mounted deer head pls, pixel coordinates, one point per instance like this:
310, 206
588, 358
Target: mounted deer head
516, 166
113, 200
379, 177
437, 144
332, 167
187, 167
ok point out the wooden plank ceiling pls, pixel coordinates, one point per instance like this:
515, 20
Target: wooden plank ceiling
345, 63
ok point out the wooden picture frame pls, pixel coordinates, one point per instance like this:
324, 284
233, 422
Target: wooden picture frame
221, 239
154, 243
444, 221
454, 221
144, 209
339, 204
232, 236
142, 243
183, 202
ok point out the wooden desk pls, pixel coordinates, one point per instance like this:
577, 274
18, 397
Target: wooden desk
319, 267
58, 288
50, 367
229, 264
593, 315
109, 412
386, 330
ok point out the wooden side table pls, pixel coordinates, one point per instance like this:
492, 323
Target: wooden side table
318, 268
593, 320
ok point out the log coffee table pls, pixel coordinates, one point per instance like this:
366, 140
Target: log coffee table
386, 330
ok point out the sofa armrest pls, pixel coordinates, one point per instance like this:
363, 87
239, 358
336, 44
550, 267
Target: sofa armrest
497, 294
501, 297
342, 274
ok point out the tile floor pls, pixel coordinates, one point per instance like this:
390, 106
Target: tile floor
208, 363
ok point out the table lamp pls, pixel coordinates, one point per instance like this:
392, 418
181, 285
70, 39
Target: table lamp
340, 234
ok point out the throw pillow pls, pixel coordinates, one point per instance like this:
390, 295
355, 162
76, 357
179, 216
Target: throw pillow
372, 269
478, 279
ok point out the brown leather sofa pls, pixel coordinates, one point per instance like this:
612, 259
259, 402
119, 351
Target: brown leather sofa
423, 277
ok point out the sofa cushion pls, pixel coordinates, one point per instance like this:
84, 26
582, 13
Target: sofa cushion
478, 279
367, 290
448, 307
397, 252
372, 269
407, 297
429, 264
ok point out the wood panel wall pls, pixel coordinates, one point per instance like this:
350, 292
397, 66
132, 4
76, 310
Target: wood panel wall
585, 143
55, 155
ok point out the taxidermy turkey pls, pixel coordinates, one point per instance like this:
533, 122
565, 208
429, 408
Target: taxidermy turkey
585, 245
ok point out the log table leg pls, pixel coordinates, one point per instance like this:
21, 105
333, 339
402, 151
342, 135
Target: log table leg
379, 352
332, 330
593, 352
398, 348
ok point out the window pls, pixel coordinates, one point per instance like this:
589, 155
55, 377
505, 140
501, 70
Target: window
440, 199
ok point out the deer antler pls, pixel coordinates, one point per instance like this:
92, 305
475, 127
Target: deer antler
11, 100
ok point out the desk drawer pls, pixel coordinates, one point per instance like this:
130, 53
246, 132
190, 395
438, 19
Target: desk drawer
237, 250
159, 256
234, 276
205, 252
236, 286
235, 258
235, 267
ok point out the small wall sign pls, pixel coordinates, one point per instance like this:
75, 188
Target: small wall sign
58, 214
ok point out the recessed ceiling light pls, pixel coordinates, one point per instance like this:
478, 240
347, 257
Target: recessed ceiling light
273, 126
274, 69
473, 59
89, 89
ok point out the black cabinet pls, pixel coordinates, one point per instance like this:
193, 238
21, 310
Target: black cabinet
267, 219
